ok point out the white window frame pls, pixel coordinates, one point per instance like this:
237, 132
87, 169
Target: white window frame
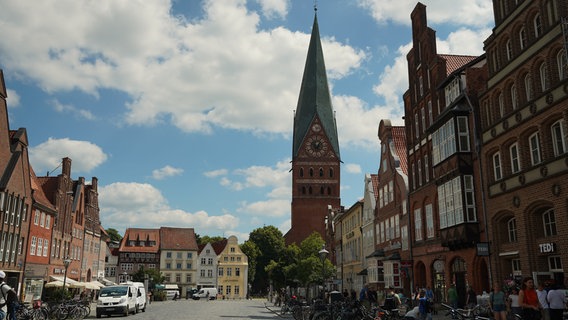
528, 86
534, 144
514, 100
497, 169
429, 221
537, 23
515, 160
558, 131
561, 61
512, 230
543, 76
522, 38
549, 223
418, 225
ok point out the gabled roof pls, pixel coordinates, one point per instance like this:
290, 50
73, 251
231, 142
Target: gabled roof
146, 235
375, 182
314, 99
177, 239
39, 197
399, 140
454, 62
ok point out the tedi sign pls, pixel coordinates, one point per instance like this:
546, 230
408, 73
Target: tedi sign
547, 247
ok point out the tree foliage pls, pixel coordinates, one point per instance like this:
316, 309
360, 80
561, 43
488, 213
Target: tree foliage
270, 243
252, 252
113, 234
207, 239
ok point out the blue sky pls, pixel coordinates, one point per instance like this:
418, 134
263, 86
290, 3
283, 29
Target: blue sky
184, 109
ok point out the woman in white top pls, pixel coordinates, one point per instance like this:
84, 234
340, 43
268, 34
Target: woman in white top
514, 302
557, 302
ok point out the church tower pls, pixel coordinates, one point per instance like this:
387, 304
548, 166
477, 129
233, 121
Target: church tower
315, 150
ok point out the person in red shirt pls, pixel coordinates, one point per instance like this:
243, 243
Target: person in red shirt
528, 299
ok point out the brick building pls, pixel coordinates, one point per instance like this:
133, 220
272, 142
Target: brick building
445, 207
524, 156
315, 151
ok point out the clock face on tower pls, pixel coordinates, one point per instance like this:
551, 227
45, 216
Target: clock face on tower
316, 146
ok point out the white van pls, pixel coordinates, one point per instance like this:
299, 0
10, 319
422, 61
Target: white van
141, 297
119, 299
210, 293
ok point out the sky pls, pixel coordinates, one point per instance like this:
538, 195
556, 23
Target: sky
183, 109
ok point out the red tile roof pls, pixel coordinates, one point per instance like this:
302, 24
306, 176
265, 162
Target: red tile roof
399, 140
454, 62
146, 235
38, 194
177, 239
375, 182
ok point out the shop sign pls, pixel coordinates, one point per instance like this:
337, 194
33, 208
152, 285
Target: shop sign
547, 247
483, 249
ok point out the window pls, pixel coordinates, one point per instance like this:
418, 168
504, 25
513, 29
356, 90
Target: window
188, 278
534, 143
237, 271
168, 255
463, 134
514, 101
451, 204
178, 265
515, 162
45, 247
426, 169
419, 172
168, 265
178, 255
188, 265
416, 127
555, 264
559, 137
509, 49
497, 174
522, 38
417, 225
220, 273
429, 221
39, 247
528, 87
543, 77
48, 222
443, 142
42, 220
562, 62
423, 115
549, 223
36, 217
32, 246
469, 196
190, 254
501, 102
430, 114
512, 230
229, 272
537, 26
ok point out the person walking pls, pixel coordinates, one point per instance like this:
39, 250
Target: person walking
497, 302
557, 302
5, 292
528, 300
514, 304
471, 298
453, 296
542, 295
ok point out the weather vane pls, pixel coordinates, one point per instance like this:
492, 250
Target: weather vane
315, 5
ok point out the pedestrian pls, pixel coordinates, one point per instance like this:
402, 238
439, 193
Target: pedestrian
207, 296
497, 302
8, 298
424, 308
542, 295
392, 300
528, 300
514, 304
453, 296
471, 298
557, 301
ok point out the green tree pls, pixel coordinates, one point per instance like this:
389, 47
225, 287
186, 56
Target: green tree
252, 252
207, 239
113, 234
270, 243
153, 274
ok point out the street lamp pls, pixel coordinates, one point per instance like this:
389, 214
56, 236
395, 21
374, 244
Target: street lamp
323, 254
66, 263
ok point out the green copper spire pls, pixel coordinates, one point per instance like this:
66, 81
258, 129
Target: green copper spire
314, 99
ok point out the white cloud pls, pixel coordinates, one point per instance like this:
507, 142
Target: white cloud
274, 8
353, 168
85, 156
67, 108
209, 64
125, 205
166, 172
216, 173
470, 12
13, 99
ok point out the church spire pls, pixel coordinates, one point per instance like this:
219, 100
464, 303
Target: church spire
315, 98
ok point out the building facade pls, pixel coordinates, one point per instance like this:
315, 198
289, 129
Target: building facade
232, 276
353, 271
315, 151
391, 260
208, 263
139, 248
523, 118
178, 258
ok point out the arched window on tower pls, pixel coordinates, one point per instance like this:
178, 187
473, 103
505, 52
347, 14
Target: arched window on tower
303, 190
331, 172
301, 172
311, 172
321, 190
310, 190
328, 191
321, 172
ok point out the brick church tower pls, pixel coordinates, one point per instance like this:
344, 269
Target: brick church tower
315, 151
